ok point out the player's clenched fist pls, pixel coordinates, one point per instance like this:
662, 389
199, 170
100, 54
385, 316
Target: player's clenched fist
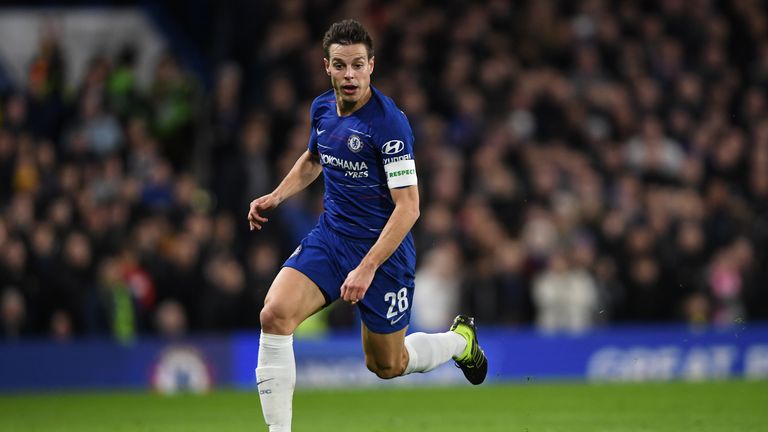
258, 206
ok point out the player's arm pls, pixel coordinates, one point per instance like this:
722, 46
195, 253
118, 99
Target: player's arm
304, 172
401, 221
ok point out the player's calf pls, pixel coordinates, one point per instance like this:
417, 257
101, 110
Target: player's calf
385, 368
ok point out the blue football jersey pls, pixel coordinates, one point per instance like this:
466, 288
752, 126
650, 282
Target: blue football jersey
363, 155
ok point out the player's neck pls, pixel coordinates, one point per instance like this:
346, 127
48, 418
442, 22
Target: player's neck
344, 109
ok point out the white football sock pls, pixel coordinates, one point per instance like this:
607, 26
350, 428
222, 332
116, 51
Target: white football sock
275, 380
428, 351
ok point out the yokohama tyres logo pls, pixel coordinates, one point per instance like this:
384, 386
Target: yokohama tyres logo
392, 147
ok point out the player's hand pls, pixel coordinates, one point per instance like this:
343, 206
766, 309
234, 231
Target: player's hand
358, 280
259, 206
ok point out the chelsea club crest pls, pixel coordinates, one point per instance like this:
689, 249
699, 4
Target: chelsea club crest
354, 143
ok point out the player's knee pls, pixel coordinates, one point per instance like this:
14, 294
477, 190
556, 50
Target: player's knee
275, 321
385, 369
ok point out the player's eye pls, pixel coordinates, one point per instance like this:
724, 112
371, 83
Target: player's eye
338, 66
358, 66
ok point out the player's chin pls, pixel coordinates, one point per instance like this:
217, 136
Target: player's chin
350, 99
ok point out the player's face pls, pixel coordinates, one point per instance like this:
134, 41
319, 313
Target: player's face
350, 70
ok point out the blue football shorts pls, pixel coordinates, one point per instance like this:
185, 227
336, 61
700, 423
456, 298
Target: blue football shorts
326, 258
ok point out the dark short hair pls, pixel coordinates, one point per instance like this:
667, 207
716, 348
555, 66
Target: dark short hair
347, 32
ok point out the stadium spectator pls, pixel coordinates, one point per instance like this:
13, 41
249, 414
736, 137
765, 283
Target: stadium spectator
114, 309
565, 296
172, 100
13, 319
170, 320
225, 305
439, 282
74, 280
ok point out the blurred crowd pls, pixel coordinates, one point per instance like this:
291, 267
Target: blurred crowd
580, 163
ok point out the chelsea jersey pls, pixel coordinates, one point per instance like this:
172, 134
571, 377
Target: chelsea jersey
363, 155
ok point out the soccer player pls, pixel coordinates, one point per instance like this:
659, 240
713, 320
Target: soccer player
361, 249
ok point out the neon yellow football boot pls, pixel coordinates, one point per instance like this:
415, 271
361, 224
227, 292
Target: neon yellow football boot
472, 361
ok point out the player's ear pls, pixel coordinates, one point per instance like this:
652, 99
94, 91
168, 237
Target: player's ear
370, 63
327, 66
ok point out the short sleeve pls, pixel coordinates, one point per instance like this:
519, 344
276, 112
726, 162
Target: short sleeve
312, 144
395, 142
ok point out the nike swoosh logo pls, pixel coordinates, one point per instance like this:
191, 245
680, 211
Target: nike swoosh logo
320, 132
258, 383
394, 321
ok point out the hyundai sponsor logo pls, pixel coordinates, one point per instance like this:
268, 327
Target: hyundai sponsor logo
392, 147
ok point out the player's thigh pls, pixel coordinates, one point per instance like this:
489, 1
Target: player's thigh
291, 299
385, 351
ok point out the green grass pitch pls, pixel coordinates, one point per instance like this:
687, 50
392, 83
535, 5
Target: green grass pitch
531, 407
